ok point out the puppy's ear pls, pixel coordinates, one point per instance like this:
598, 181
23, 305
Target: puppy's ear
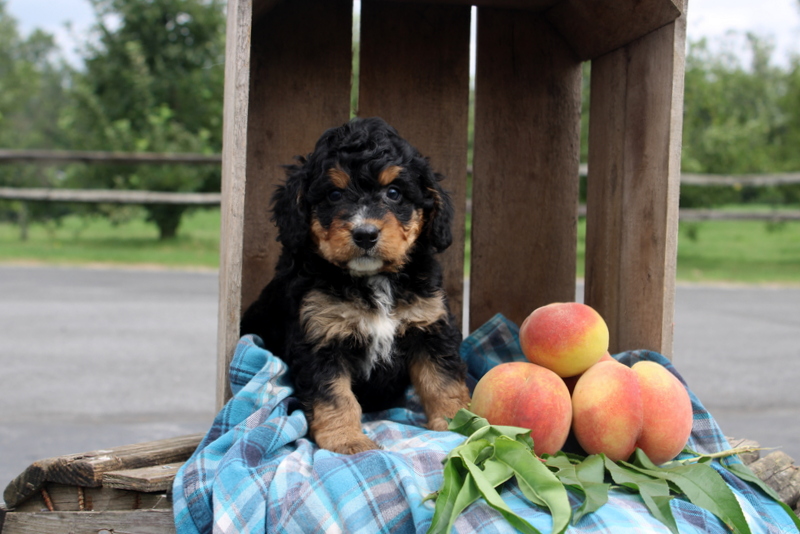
290, 208
439, 218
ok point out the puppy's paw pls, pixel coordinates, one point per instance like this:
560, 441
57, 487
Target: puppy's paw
348, 444
439, 424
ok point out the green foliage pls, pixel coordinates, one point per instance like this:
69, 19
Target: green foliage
153, 82
34, 82
492, 455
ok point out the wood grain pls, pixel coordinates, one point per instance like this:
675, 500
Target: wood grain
596, 27
138, 521
144, 479
525, 187
298, 60
632, 194
414, 73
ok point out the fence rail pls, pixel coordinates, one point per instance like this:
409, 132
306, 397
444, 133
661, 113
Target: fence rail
45, 157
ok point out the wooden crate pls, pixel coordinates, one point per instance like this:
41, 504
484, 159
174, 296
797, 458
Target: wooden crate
288, 73
288, 78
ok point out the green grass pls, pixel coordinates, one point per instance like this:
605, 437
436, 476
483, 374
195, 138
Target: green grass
95, 240
708, 251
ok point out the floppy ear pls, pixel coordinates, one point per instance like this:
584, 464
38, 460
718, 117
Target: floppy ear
290, 208
439, 218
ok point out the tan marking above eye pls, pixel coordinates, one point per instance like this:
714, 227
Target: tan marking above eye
339, 178
388, 174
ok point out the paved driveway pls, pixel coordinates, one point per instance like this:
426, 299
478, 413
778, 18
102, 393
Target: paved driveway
93, 358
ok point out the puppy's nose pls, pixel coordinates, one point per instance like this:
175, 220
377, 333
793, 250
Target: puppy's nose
366, 236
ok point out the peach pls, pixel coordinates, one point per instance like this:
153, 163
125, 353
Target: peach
526, 395
565, 337
570, 381
607, 410
666, 410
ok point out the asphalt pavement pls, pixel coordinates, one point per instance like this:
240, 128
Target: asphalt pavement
92, 358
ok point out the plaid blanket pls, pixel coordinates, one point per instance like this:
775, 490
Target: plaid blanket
256, 470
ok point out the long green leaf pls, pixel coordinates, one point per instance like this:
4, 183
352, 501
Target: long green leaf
591, 475
446, 499
494, 500
536, 481
746, 474
654, 491
703, 486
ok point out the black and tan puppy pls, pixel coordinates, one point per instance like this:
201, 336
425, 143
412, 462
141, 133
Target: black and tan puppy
356, 308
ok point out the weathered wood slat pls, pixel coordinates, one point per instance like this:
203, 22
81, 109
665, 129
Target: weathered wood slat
525, 187
594, 28
87, 469
297, 60
63, 498
145, 479
636, 113
109, 196
414, 73
138, 521
529, 5
27, 483
234, 168
97, 156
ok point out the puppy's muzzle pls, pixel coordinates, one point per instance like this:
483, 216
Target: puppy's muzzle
366, 236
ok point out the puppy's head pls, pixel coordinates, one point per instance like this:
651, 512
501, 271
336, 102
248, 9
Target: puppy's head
363, 200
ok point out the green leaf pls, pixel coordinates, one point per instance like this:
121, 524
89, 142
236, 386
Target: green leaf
655, 492
466, 423
746, 474
446, 498
494, 500
702, 485
535, 480
591, 475
563, 468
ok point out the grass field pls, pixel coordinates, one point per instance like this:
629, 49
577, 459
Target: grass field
709, 251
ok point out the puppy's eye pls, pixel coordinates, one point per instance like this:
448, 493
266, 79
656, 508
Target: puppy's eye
335, 195
393, 194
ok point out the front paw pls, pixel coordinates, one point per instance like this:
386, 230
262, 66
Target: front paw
439, 424
348, 444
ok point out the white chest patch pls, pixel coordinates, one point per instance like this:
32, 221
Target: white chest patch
380, 326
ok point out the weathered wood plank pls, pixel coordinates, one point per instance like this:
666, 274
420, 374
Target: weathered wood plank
414, 73
529, 5
145, 479
87, 469
291, 72
525, 187
632, 188
594, 27
234, 167
96, 156
138, 521
27, 483
109, 196
64, 498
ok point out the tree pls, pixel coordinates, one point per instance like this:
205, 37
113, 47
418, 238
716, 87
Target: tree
153, 82
34, 81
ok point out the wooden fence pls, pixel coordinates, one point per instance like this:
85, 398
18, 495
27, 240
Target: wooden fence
116, 196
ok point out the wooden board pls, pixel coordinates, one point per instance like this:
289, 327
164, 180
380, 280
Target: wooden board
525, 187
64, 498
414, 73
87, 469
633, 180
144, 479
596, 27
138, 521
298, 56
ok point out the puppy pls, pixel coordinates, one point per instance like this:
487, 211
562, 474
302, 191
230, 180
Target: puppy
356, 308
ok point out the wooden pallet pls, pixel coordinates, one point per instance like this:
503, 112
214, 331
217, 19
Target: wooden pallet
110, 490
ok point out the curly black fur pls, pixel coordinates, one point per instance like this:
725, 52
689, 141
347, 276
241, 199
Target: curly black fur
357, 297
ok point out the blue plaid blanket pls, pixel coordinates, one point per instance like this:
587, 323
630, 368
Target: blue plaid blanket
256, 471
